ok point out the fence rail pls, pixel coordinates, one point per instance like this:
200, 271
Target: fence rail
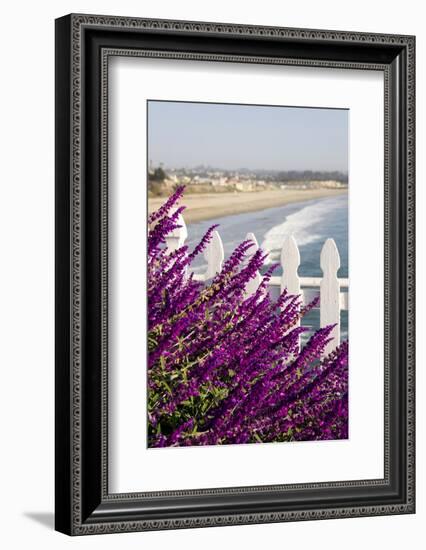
333, 291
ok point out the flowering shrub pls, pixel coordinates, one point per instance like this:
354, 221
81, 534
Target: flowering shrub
224, 368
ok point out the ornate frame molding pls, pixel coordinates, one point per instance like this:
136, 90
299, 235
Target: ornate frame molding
72, 47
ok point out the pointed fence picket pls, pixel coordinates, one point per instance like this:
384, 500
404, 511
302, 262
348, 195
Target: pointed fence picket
333, 291
290, 258
214, 256
330, 291
178, 236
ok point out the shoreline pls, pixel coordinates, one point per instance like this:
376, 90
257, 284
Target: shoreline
210, 206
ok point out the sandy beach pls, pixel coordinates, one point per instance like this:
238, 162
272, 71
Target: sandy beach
215, 205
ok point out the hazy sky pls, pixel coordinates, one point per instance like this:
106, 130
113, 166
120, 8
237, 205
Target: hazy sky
246, 136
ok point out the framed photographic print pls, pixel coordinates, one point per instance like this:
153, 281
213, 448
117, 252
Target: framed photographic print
234, 205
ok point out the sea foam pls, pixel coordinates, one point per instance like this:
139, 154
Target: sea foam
304, 225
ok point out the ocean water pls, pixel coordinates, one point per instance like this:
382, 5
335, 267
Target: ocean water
310, 222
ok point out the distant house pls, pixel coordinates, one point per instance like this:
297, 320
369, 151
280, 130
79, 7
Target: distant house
244, 186
313, 184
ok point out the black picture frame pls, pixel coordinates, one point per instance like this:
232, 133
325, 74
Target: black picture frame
83, 44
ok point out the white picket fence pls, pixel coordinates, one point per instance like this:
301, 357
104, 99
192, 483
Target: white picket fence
333, 291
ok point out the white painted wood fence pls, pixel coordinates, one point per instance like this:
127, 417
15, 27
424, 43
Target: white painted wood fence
333, 291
